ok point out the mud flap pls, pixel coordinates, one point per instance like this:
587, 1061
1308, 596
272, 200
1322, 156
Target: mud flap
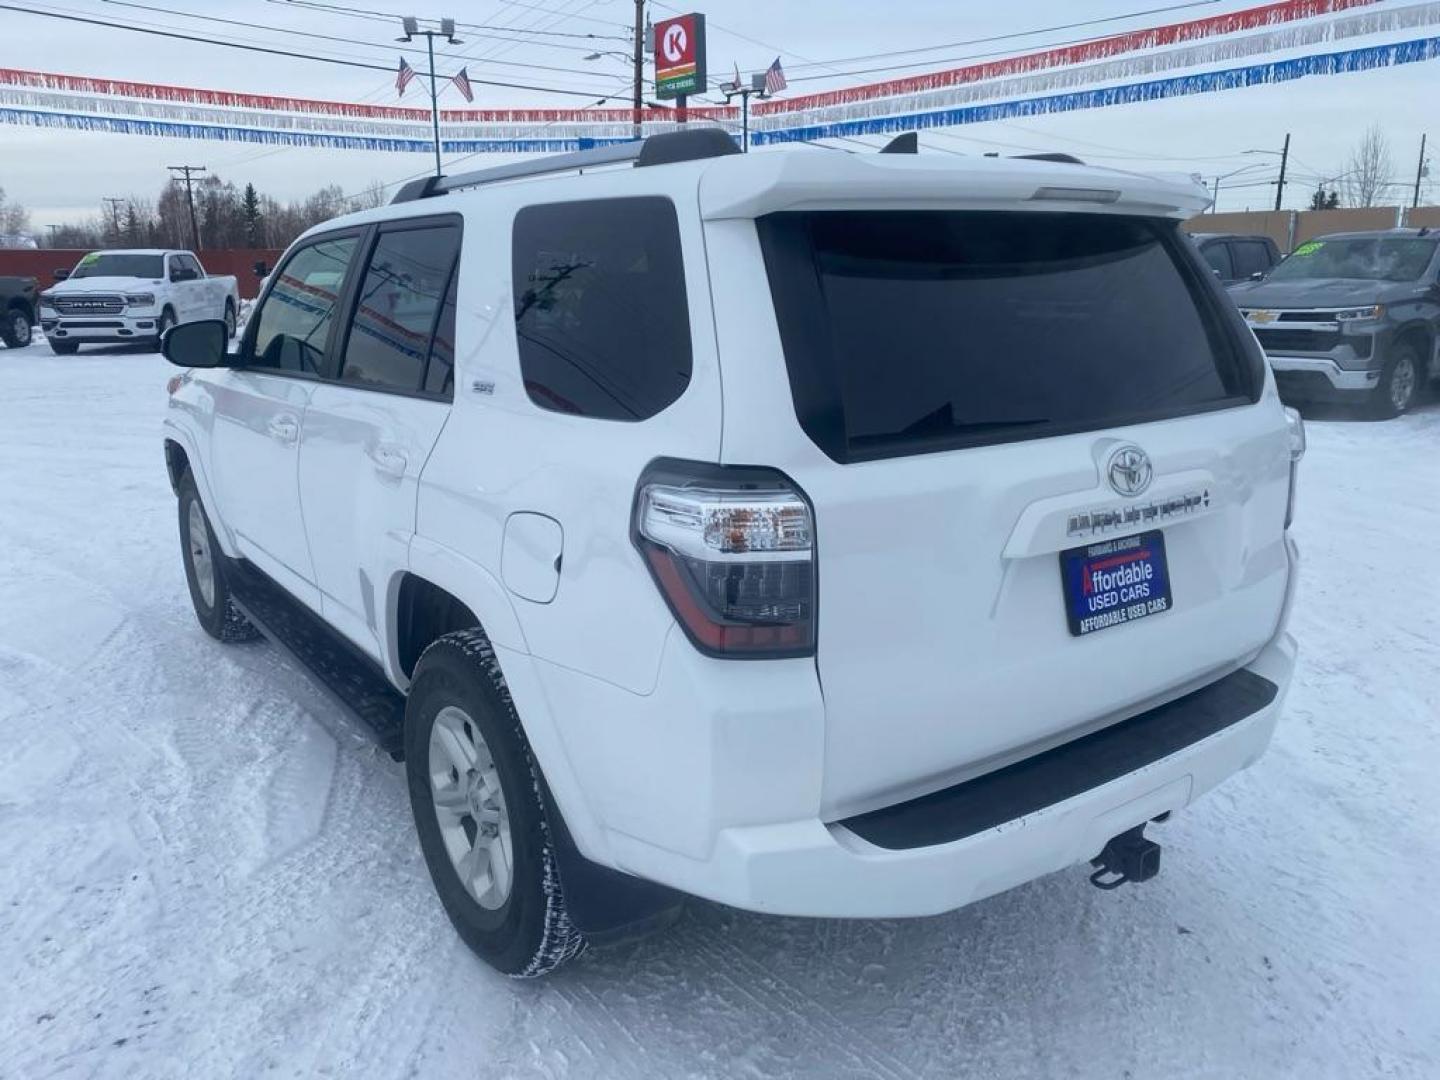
607, 906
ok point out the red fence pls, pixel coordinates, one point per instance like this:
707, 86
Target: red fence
43, 263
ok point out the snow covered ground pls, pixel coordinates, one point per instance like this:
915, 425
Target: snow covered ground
206, 871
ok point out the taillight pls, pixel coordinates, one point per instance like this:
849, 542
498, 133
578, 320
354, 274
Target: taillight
732, 550
1295, 428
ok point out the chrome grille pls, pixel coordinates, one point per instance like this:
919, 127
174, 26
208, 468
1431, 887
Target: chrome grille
89, 305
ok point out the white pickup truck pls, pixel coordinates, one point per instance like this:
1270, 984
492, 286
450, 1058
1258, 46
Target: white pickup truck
119, 296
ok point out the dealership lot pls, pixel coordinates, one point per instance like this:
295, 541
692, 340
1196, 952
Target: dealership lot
207, 870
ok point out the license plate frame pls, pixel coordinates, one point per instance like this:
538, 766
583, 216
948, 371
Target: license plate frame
1115, 582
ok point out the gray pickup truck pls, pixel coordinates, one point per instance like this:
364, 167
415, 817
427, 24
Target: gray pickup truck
17, 310
1351, 318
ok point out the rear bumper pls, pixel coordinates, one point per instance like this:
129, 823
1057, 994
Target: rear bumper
812, 868
98, 327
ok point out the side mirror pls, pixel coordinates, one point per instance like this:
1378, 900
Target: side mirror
196, 344
61, 274
261, 268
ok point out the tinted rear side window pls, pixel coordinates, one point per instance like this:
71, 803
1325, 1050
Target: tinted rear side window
911, 331
1251, 257
1217, 256
600, 307
401, 296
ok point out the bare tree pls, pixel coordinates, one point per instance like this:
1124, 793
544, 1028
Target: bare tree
14, 218
372, 197
1369, 169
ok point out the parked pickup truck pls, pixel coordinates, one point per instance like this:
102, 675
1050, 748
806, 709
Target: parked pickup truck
1352, 318
120, 296
17, 310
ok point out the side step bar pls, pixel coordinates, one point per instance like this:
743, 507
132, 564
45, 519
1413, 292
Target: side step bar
342, 670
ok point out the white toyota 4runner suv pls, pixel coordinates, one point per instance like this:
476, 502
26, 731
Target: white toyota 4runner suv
820, 534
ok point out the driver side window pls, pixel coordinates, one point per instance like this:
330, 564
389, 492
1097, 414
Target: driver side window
297, 318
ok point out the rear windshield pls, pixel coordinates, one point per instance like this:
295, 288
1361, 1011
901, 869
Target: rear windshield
912, 331
117, 264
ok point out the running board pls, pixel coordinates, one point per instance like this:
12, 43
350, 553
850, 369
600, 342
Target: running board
341, 669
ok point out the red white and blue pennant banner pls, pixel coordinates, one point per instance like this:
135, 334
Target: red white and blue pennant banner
1054, 80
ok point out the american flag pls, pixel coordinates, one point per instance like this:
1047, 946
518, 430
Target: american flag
462, 83
775, 78
403, 77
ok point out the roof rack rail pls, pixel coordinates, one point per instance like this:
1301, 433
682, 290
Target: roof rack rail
665, 149
1064, 159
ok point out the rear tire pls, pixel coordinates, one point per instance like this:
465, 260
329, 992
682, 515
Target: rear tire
64, 348
16, 329
229, 320
1400, 382
476, 795
205, 566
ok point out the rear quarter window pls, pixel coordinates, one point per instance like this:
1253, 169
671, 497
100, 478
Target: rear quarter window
914, 331
601, 316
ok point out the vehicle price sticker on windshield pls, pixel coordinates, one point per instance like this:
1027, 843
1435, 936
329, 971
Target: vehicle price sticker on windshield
1116, 582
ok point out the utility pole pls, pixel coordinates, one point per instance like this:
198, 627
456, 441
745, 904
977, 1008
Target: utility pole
1215, 199
639, 67
190, 198
447, 31
1284, 160
114, 213
1419, 173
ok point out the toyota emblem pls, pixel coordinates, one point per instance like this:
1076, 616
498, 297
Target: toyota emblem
1129, 470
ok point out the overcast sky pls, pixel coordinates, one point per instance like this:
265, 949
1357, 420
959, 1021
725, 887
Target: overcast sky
62, 175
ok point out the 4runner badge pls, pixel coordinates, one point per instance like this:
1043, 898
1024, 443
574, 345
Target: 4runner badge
1129, 470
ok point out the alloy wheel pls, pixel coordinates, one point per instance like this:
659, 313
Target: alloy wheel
201, 559
470, 808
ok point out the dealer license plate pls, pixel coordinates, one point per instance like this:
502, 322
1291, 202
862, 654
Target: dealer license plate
1115, 582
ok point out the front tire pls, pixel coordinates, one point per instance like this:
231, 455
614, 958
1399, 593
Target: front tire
16, 330
475, 793
64, 348
229, 320
205, 571
167, 320
1400, 382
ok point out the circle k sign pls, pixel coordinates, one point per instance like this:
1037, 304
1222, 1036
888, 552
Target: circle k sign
680, 56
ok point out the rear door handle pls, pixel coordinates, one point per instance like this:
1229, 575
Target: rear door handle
389, 461
284, 429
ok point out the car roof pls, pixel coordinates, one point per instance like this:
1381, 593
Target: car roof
133, 251
748, 185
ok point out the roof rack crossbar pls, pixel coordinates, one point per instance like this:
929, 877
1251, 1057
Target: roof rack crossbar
656, 150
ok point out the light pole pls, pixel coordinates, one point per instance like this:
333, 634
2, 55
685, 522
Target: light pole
447, 31
755, 89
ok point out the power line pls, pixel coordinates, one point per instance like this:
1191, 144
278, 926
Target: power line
326, 37
271, 51
372, 15
1008, 37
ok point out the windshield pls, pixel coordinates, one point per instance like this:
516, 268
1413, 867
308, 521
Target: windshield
1365, 258
120, 264
911, 331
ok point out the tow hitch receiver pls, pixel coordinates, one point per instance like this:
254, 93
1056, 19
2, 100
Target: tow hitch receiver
1127, 857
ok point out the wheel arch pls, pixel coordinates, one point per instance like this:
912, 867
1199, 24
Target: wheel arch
181, 457
439, 574
1420, 334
